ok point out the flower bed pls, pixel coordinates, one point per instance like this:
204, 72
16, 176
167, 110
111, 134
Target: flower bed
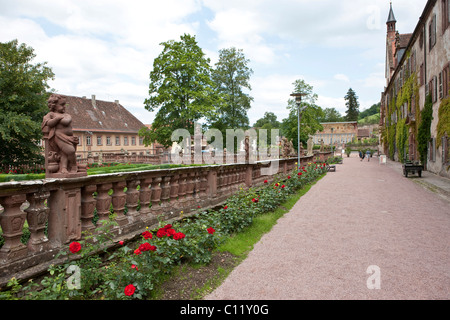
135, 268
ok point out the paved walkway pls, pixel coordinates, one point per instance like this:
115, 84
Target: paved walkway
362, 232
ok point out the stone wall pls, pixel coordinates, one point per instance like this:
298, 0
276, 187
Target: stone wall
65, 207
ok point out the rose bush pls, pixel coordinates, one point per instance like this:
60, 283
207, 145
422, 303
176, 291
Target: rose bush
133, 270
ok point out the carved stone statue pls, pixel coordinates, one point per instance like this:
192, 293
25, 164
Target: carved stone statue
60, 143
310, 145
287, 148
322, 147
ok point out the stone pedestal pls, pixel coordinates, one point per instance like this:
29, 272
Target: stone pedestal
64, 223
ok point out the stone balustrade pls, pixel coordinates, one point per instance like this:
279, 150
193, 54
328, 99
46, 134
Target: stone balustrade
58, 211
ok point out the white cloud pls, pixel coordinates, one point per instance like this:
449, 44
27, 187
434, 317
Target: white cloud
341, 77
107, 48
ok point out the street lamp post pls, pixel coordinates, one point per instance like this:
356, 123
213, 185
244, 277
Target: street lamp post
298, 101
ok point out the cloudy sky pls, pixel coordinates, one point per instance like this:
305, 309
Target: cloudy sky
106, 48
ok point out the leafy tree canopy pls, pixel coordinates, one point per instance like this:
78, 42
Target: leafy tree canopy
181, 90
231, 76
374, 109
331, 115
23, 103
309, 121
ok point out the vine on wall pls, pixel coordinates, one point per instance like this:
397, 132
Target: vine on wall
397, 134
443, 126
424, 133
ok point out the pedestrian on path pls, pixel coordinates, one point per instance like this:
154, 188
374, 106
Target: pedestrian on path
361, 155
368, 155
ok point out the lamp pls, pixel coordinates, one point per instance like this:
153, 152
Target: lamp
298, 101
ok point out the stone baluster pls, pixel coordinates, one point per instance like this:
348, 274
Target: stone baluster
174, 187
156, 196
165, 194
37, 217
182, 190
196, 186
88, 203
234, 178
12, 220
145, 194
190, 184
203, 183
119, 198
103, 201
132, 199
219, 180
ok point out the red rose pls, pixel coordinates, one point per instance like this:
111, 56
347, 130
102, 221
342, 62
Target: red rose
178, 236
75, 247
161, 233
133, 266
289, 177
145, 246
210, 230
121, 242
265, 181
129, 290
283, 186
276, 184
167, 226
137, 252
152, 248
226, 207
147, 235
170, 232
300, 173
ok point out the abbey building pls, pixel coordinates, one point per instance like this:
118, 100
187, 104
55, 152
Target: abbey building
417, 90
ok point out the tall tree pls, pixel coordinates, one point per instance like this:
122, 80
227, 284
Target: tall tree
231, 76
269, 121
331, 115
181, 90
352, 104
309, 121
23, 103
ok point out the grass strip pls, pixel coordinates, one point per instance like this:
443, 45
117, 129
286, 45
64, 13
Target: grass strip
240, 244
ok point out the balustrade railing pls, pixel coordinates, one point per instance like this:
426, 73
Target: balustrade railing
58, 211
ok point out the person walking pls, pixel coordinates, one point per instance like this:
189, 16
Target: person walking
361, 155
368, 155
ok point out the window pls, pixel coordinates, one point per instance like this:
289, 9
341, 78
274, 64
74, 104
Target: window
133, 141
88, 140
435, 89
125, 141
141, 141
445, 150
99, 140
441, 89
79, 140
117, 141
422, 75
445, 15
432, 32
445, 81
432, 149
108, 141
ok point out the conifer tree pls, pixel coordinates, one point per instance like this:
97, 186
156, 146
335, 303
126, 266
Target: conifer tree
352, 104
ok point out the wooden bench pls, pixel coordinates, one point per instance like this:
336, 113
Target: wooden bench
331, 168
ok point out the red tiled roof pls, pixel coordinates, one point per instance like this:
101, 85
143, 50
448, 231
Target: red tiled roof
363, 133
404, 40
98, 115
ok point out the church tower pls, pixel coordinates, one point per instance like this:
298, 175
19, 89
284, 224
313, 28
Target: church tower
390, 44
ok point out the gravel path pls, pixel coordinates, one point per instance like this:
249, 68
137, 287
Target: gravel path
362, 232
